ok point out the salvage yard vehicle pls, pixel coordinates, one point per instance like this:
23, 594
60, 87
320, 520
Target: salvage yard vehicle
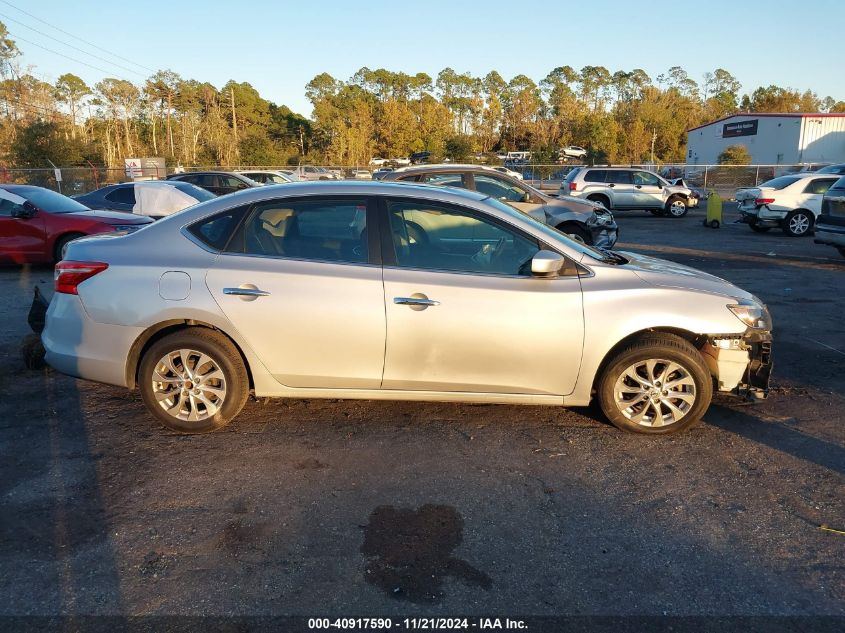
394, 291
790, 202
310, 172
582, 220
267, 176
37, 223
625, 188
830, 227
219, 183
153, 198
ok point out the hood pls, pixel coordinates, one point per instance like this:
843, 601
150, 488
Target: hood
661, 272
111, 217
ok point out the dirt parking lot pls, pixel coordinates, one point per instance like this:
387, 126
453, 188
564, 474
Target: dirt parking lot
360, 508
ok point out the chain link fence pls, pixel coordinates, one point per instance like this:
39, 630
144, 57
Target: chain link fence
722, 179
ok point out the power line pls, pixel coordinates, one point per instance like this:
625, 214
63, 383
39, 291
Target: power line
34, 17
73, 59
76, 48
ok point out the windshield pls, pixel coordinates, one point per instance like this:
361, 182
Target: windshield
195, 192
49, 201
832, 169
552, 232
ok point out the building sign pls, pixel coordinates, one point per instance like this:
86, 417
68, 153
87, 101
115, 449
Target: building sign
144, 168
742, 128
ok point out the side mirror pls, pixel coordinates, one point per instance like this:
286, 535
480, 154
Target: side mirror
25, 211
547, 264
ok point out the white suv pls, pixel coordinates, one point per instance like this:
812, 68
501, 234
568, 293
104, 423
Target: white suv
628, 188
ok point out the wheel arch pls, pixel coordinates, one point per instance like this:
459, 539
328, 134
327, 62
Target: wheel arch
158, 331
57, 239
694, 339
596, 197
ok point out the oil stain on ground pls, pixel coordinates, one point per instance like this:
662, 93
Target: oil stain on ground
409, 552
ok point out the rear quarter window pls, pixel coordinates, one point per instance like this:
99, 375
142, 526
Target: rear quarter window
595, 175
216, 231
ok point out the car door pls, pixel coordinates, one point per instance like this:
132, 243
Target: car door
22, 234
811, 197
302, 284
648, 191
621, 188
467, 316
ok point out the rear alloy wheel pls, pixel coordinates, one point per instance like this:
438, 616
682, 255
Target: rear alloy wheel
798, 223
676, 207
757, 228
194, 380
658, 384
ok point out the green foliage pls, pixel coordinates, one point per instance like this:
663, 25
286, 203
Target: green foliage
41, 141
458, 149
735, 155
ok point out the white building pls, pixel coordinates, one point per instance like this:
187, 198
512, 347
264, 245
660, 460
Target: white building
772, 139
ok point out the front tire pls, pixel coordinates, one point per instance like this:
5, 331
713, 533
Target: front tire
656, 384
676, 207
194, 380
798, 223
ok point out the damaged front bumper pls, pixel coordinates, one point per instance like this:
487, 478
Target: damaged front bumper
741, 365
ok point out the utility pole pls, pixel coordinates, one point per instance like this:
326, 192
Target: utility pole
653, 140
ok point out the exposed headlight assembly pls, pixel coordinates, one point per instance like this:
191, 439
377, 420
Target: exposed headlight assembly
753, 314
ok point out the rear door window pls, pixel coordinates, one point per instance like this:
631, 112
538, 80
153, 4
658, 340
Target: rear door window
446, 180
619, 177
122, 195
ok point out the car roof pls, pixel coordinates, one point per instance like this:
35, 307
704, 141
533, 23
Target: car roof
442, 167
202, 173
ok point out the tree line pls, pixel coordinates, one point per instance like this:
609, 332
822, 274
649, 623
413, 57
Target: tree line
620, 116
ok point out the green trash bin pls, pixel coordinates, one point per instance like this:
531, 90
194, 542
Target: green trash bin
714, 211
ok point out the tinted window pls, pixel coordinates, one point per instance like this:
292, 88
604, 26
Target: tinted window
645, 178
819, 186
839, 184
324, 230
192, 190
832, 169
439, 237
595, 175
122, 195
619, 177
216, 230
498, 188
9, 207
572, 174
231, 181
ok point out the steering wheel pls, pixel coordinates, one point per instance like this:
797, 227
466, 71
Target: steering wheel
489, 253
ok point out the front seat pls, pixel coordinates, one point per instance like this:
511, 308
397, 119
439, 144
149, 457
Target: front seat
267, 234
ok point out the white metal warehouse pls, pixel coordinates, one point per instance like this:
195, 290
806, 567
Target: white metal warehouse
772, 139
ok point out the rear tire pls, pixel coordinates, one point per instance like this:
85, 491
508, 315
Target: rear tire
193, 380
61, 245
602, 200
798, 223
656, 384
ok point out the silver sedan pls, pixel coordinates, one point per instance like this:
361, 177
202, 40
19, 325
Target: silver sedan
397, 292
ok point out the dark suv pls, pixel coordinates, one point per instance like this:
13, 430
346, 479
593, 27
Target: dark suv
217, 182
830, 225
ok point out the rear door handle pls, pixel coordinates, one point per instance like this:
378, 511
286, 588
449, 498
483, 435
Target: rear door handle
246, 292
415, 301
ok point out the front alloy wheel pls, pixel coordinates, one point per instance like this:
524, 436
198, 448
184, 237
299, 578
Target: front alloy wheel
654, 392
676, 208
658, 383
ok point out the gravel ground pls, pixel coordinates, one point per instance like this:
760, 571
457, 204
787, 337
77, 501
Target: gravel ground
359, 508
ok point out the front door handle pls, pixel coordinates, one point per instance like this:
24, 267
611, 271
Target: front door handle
416, 302
246, 292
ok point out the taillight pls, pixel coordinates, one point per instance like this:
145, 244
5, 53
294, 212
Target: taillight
761, 201
69, 275
573, 186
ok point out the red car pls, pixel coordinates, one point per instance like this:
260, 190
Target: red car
36, 223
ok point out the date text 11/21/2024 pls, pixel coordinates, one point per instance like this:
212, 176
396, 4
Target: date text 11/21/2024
431, 624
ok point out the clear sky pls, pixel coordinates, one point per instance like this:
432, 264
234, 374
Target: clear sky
279, 46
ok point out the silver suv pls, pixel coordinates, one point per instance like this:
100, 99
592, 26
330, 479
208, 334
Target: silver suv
628, 188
